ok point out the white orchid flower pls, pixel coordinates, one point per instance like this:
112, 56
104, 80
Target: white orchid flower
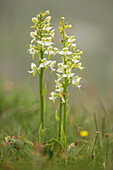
52, 33
65, 51
53, 96
52, 64
74, 45
59, 88
48, 18
49, 50
63, 99
32, 50
68, 73
76, 81
45, 42
79, 65
71, 39
61, 67
33, 35
44, 63
33, 69
47, 27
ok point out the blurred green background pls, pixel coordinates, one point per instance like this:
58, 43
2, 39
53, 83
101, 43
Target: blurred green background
92, 23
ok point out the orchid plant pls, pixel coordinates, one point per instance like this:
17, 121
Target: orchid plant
66, 76
42, 47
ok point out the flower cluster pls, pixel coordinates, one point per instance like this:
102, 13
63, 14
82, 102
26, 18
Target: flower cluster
66, 69
42, 44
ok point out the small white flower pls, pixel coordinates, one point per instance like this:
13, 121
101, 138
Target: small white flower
71, 39
49, 39
47, 27
33, 69
63, 99
33, 35
79, 65
65, 51
52, 64
48, 18
33, 66
45, 42
59, 88
74, 45
75, 59
49, 50
76, 81
52, 33
68, 73
32, 50
44, 63
53, 96
61, 67
59, 77
55, 49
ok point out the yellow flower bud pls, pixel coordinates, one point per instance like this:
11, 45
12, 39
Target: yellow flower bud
81, 52
60, 28
46, 13
62, 18
78, 51
69, 26
78, 57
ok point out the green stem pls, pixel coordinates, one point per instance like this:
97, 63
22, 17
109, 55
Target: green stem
41, 99
41, 90
65, 93
65, 116
60, 121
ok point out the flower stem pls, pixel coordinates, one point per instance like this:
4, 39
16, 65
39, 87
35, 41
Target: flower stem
41, 100
65, 92
60, 121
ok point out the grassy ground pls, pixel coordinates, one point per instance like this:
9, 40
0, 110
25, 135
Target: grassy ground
19, 115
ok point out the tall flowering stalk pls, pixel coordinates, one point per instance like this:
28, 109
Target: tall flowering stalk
42, 45
66, 76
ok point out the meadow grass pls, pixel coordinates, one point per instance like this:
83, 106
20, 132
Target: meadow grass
19, 118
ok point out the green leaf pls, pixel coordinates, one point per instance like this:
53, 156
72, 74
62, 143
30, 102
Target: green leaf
44, 91
54, 145
57, 145
57, 117
44, 104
